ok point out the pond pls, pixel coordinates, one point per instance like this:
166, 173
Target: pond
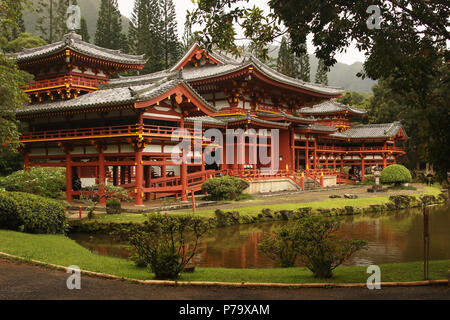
393, 237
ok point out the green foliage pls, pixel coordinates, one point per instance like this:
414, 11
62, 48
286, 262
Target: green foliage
395, 174
168, 244
84, 31
313, 240
109, 27
153, 32
320, 249
322, 73
224, 188
46, 182
24, 40
113, 206
9, 217
281, 246
31, 214
10, 161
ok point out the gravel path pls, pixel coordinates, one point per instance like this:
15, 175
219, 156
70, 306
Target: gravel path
26, 282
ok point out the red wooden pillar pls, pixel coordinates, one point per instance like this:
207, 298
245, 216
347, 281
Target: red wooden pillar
69, 187
183, 172
315, 154
101, 177
363, 167
307, 154
26, 161
342, 164
384, 161
139, 178
292, 149
130, 173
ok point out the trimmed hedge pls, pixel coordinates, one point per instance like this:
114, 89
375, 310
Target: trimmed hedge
45, 182
224, 188
395, 174
32, 214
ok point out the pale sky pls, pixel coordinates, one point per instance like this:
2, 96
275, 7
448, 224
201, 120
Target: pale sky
351, 56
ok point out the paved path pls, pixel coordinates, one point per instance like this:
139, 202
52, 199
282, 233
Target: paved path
26, 282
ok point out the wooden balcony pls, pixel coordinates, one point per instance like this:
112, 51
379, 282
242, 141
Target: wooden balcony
110, 132
62, 81
365, 149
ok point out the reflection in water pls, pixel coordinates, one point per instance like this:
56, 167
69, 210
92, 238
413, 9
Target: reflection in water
393, 237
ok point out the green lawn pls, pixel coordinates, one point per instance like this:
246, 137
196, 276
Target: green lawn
61, 250
253, 210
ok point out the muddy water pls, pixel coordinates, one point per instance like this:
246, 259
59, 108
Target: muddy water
393, 237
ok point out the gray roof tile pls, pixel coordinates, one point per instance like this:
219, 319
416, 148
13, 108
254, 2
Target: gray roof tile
331, 106
73, 41
385, 130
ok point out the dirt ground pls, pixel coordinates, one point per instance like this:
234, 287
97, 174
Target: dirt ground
26, 282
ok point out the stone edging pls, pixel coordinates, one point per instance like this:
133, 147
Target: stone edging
224, 284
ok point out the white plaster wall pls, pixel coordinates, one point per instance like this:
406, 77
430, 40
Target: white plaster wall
271, 185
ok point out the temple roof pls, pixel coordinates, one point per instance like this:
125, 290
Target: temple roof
317, 127
74, 42
386, 130
331, 106
248, 117
230, 65
106, 97
206, 119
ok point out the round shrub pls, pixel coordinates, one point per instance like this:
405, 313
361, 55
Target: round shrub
35, 214
395, 174
45, 182
224, 188
9, 217
113, 206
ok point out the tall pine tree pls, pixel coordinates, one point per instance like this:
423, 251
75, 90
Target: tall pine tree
52, 18
322, 73
304, 66
170, 43
84, 31
109, 26
285, 59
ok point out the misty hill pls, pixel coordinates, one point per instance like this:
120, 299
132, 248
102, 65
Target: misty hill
340, 75
89, 10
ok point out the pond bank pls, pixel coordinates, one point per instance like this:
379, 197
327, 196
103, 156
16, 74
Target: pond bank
221, 218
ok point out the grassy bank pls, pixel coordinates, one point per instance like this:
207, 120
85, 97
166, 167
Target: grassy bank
254, 210
61, 250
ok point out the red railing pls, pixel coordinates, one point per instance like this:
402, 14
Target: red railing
62, 81
109, 131
357, 149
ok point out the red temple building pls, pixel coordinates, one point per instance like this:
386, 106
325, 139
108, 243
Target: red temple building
120, 131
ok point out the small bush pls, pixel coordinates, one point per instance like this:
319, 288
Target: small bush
313, 240
281, 246
244, 196
395, 174
113, 206
45, 182
32, 214
224, 188
168, 243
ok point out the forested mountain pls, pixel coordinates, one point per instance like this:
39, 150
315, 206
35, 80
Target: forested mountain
89, 10
340, 75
